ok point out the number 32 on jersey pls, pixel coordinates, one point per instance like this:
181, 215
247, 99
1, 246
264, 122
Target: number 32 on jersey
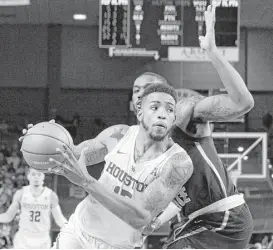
34, 216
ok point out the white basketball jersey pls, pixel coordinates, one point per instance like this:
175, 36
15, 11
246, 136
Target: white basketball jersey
35, 211
124, 177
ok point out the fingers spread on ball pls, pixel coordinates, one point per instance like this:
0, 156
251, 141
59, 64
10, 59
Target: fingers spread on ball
56, 170
69, 153
64, 154
55, 162
65, 165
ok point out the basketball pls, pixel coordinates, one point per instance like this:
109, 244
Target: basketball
40, 143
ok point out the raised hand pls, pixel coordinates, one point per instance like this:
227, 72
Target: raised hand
207, 42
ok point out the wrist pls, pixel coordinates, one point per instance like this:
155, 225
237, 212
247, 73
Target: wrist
212, 51
88, 184
156, 224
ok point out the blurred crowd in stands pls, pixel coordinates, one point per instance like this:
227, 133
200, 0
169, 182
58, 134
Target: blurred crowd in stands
12, 177
261, 241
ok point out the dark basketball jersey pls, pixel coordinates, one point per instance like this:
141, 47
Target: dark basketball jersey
209, 181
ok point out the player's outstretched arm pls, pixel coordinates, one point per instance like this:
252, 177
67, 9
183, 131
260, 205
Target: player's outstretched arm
97, 147
155, 198
239, 100
9, 215
103, 143
56, 211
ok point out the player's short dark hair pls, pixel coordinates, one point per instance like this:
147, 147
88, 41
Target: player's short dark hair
160, 88
156, 77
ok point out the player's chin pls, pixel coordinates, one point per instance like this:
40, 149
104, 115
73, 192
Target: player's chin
158, 136
136, 109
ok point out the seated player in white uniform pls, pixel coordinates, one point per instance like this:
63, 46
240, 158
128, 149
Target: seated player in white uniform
144, 169
36, 203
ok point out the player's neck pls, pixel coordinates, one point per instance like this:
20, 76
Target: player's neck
144, 143
36, 190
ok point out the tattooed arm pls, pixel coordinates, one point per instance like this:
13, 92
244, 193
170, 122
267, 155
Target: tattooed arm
221, 107
99, 147
239, 100
154, 199
224, 107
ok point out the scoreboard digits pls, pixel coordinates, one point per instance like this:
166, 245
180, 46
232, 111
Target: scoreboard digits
167, 29
113, 27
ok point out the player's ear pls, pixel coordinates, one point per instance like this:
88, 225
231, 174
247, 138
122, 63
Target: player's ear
140, 115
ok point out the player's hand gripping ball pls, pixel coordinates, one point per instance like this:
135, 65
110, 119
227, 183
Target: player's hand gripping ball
40, 143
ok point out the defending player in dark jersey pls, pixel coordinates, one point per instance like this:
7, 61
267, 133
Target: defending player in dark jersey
216, 216
213, 214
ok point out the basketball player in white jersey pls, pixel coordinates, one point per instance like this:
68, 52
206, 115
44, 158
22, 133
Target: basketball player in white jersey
36, 203
143, 171
229, 224
197, 110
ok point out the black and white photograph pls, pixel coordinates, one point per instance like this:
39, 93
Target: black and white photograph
136, 124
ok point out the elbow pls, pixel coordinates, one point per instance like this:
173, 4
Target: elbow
245, 103
251, 102
248, 103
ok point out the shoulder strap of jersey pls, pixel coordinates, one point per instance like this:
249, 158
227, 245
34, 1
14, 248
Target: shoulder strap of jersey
50, 193
129, 135
25, 190
169, 153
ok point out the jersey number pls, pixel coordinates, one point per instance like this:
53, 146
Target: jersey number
123, 192
34, 216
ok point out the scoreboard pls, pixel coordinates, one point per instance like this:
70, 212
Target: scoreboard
167, 29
